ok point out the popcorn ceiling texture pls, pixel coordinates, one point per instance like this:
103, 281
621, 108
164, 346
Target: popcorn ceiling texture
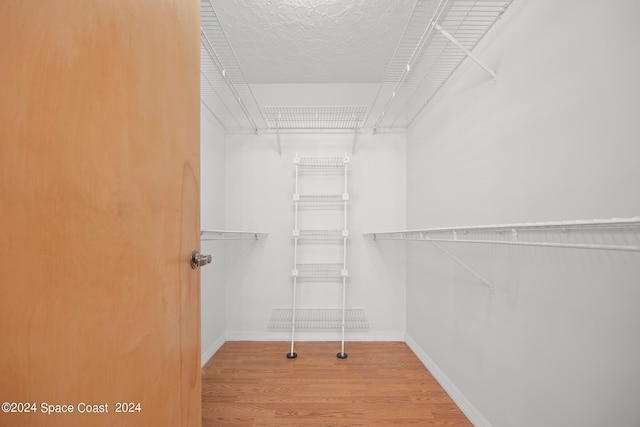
313, 41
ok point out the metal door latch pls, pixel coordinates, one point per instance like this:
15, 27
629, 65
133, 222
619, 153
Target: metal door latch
198, 260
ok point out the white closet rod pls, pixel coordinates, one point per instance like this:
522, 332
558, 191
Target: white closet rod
462, 234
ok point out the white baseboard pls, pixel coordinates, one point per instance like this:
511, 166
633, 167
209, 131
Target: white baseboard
211, 350
313, 336
456, 395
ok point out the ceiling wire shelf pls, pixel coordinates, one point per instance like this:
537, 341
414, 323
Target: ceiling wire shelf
314, 117
318, 318
231, 235
437, 38
223, 88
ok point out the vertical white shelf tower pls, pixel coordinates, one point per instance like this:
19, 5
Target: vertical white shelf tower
320, 318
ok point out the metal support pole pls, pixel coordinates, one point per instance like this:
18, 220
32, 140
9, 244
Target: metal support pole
292, 354
342, 354
296, 189
278, 140
354, 143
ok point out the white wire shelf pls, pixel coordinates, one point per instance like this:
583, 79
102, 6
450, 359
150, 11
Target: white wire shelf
223, 88
333, 234
610, 234
314, 318
321, 199
321, 162
437, 38
231, 235
319, 271
315, 117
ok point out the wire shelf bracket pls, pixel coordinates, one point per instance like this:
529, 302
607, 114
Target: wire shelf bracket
465, 266
464, 49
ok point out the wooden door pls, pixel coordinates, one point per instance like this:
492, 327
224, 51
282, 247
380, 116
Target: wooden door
99, 212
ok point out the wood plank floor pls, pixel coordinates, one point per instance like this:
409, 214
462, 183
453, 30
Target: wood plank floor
250, 383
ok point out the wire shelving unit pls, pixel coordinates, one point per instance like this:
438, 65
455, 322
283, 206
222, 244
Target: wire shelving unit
296, 318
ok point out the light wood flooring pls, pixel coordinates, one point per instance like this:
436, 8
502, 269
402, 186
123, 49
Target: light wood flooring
249, 383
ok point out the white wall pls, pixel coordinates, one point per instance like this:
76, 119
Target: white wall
260, 185
212, 217
556, 138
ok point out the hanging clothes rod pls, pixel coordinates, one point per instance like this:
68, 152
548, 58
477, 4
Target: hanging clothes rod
231, 235
520, 234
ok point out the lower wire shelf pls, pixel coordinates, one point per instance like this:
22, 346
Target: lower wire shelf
318, 318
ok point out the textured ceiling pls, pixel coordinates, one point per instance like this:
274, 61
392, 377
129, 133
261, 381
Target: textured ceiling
313, 41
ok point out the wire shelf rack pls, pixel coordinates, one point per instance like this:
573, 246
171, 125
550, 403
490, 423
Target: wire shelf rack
334, 234
315, 117
314, 318
321, 200
231, 235
321, 165
319, 271
321, 162
224, 90
611, 234
426, 57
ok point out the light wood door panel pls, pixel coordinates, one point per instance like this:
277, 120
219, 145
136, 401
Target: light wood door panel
99, 210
